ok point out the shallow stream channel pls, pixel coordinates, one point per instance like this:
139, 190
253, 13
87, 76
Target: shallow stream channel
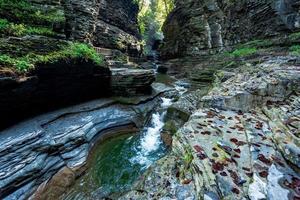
116, 163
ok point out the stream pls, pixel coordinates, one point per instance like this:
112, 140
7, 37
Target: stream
115, 164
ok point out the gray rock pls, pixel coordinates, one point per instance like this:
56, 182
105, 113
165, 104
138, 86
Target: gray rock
131, 81
33, 151
196, 28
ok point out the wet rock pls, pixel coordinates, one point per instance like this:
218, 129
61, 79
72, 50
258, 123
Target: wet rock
131, 81
162, 69
57, 185
228, 153
249, 88
35, 150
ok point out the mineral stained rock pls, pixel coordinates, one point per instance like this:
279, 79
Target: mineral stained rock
240, 146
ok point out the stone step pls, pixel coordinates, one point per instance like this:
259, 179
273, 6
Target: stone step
104, 51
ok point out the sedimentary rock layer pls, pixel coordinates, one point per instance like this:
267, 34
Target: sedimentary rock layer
109, 24
33, 151
207, 26
246, 147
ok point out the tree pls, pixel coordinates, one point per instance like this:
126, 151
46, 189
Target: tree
152, 15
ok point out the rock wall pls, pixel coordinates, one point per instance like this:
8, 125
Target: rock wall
207, 26
104, 23
109, 24
33, 151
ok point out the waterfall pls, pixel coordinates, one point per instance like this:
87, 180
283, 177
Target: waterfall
150, 141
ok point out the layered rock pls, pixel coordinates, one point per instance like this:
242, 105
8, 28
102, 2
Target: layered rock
62, 83
59, 142
225, 153
108, 24
202, 27
131, 81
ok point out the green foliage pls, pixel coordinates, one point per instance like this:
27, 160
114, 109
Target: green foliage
294, 36
295, 50
257, 44
23, 64
72, 51
243, 52
3, 24
6, 60
22, 11
80, 50
16, 29
151, 17
39, 31
12, 29
171, 127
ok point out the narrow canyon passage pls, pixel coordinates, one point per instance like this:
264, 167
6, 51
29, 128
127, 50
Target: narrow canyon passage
149, 99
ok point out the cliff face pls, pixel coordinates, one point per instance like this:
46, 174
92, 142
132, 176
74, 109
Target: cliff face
109, 24
201, 27
38, 72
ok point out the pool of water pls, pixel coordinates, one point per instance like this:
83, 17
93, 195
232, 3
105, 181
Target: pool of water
116, 163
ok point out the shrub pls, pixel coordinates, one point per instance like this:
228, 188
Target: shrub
16, 29
3, 24
243, 52
81, 50
39, 31
295, 50
72, 51
24, 12
6, 60
294, 36
23, 65
19, 30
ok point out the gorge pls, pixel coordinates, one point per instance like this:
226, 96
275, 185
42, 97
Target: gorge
158, 99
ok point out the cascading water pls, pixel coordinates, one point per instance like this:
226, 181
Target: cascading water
115, 164
151, 141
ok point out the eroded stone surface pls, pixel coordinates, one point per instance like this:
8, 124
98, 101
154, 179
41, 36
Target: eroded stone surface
226, 153
201, 27
33, 151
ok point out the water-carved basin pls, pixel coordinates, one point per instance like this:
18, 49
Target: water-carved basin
116, 163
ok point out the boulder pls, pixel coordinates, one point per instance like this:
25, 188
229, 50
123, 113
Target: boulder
126, 82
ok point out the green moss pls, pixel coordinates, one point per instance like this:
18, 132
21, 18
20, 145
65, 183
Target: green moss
12, 29
243, 52
6, 60
72, 51
294, 36
22, 11
171, 127
295, 50
3, 24
257, 44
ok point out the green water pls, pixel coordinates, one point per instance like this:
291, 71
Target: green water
111, 169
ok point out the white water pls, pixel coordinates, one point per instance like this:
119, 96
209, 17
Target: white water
151, 141
181, 87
